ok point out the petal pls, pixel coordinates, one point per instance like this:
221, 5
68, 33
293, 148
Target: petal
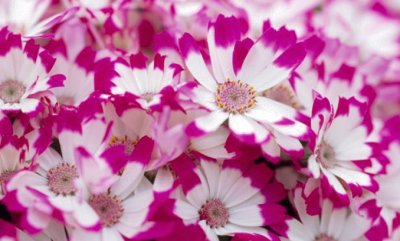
271, 76
246, 216
128, 181
185, 210
334, 182
208, 123
87, 217
221, 38
271, 150
111, 234
195, 62
352, 176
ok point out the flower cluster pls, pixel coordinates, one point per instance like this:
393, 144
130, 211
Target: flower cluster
199, 120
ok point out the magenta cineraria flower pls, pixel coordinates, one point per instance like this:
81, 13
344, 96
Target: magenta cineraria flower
78, 71
25, 74
147, 82
122, 209
341, 150
243, 72
207, 196
331, 224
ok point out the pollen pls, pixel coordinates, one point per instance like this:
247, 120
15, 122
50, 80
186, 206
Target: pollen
324, 237
128, 143
61, 179
235, 97
4, 176
108, 207
325, 155
215, 213
11, 91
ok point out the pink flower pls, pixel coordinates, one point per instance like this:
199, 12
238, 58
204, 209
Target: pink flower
341, 150
78, 71
25, 77
330, 224
122, 209
207, 196
241, 72
146, 81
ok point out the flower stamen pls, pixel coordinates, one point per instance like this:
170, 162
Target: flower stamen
215, 213
125, 141
235, 96
11, 91
324, 237
108, 207
326, 155
61, 179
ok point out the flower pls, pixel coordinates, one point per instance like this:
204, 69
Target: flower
341, 148
241, 71
122, 209
331, 224
78, 71
147, 82
207, 196
25, 74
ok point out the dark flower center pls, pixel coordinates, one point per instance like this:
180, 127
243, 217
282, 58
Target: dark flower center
215, 213
11, 91
61, 179
108, 207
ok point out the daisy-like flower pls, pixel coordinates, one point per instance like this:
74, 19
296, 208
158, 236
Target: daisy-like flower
131, 129
78, 71
146, 81
122, 209
57, 180
24, 74
331, 224
207, 196
241, 71
57, 183
93, 138
26, 17
341, 151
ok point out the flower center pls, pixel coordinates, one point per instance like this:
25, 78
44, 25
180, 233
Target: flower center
61, 179
125, 141
324, 237
148, 97
108, 207
283, 94
235, 96
4, 176
11, 91
326, 155
215, 213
